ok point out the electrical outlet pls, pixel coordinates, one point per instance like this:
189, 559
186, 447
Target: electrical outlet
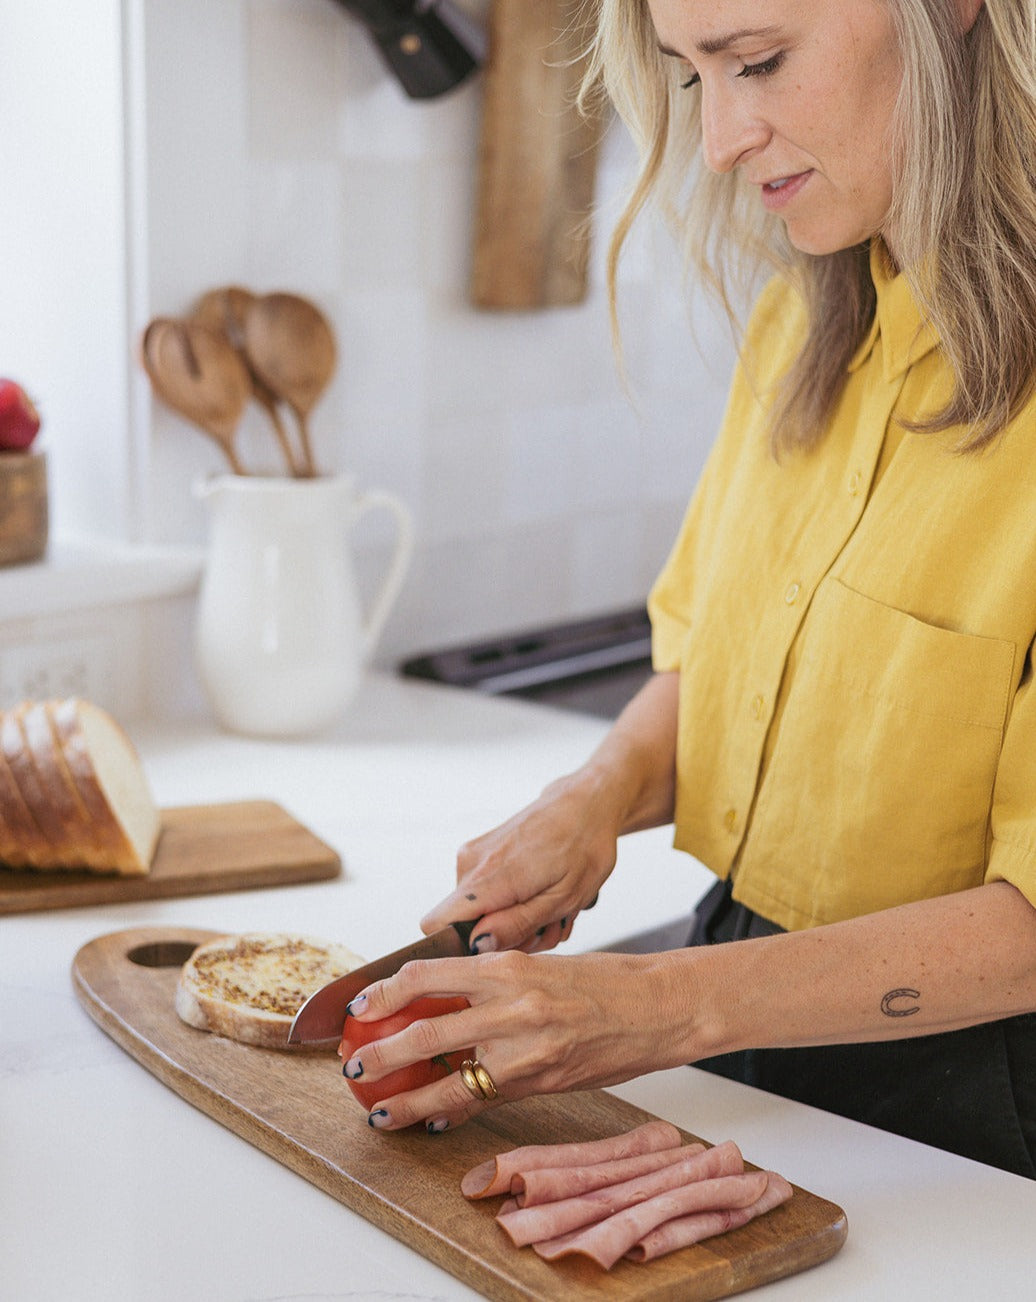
75, 666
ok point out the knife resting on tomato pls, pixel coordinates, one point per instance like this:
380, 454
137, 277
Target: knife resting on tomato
322, 1016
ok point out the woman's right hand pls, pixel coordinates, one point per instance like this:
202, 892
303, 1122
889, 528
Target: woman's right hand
526, 880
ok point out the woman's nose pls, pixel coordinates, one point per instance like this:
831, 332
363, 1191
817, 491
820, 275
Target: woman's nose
730, 130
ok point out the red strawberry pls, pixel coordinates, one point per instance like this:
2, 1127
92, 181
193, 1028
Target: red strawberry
19, 419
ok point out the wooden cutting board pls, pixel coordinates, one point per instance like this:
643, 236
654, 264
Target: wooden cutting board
296, 1108
537, 160
202, 849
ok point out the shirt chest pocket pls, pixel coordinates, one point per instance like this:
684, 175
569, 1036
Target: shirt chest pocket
882, 773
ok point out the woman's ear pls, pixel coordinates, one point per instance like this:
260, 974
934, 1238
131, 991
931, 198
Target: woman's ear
968, 10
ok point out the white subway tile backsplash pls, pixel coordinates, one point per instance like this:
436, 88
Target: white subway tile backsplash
541, 465
273, 149
607, 568
447, 229
382, 366
380, 227
292, 237
610, 450
523, 579
462, 495
382, 453
296, 74
375, 118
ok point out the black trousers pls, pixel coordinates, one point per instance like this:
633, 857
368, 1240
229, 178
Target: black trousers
971, 1092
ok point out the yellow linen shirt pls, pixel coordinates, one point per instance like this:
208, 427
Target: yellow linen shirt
853, 630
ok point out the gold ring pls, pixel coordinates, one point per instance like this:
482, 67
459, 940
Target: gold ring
485, 1081
478, 1081
467, 1075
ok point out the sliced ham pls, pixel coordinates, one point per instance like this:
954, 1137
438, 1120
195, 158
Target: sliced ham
705, 1171
608, 1240
494, 1177
683, 1231
639, 1195
551, 1184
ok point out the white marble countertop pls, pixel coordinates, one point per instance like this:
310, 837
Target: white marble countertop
100, 1162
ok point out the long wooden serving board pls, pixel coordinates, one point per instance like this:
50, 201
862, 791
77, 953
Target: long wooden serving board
296, 1108
203, 849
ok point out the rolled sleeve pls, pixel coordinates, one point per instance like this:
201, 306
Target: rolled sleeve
670, 599
1012, 854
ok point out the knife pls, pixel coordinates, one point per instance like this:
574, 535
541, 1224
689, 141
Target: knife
322, 1016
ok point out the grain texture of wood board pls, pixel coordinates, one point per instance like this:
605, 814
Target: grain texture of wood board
237, 846
24, 509
296, 1108
537, 160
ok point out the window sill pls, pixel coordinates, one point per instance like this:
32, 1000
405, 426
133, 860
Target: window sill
84, 574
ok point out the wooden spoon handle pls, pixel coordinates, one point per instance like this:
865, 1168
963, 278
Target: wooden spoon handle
232, 458
269, 404
309, 468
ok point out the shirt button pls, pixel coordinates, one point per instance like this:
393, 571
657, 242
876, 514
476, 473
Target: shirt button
855, 480
757, 707
791, 593
730, 820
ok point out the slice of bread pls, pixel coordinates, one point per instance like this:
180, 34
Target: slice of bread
21, 841
73, 793
250, 987
48, 848
60, 811
110, 780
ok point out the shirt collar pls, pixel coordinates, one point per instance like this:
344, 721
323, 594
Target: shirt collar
906, 336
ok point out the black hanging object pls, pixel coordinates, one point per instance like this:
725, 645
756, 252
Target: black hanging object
429, 46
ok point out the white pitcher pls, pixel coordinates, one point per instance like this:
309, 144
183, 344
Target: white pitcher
281, 640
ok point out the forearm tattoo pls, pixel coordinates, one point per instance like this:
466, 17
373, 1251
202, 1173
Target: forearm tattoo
894, 1002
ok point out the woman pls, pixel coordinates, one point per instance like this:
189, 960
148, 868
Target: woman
842, 725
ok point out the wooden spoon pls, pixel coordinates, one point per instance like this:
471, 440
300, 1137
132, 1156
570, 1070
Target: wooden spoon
291, 347
225, 310
196, 372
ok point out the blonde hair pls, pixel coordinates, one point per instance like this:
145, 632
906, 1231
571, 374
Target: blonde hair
962, 221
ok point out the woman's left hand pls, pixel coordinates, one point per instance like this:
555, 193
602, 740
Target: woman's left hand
540, 1024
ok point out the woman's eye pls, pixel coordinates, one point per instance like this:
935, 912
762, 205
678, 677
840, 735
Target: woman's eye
762, 69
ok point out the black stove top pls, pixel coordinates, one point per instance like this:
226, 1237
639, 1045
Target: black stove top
593, 666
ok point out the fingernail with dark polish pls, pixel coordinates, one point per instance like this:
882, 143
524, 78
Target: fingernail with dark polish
437, 1127
483, 944
357, 1005
353, 1069
542, 931
379, 1119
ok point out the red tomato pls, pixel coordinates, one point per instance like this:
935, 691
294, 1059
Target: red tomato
357, 1034
19, 419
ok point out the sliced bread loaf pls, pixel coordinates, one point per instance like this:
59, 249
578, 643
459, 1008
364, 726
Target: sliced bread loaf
73, 793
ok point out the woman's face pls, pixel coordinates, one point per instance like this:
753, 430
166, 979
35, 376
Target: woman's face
798, 96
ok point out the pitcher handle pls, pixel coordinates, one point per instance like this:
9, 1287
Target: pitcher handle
392, 582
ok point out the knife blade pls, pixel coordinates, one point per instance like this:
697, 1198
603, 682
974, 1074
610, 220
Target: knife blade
322, 1016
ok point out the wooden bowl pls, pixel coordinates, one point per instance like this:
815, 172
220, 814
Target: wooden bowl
23, 507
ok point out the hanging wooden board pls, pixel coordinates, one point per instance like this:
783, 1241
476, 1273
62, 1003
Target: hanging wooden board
296, 1108
537, 160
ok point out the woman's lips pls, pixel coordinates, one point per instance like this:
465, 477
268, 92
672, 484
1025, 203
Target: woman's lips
783, 189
